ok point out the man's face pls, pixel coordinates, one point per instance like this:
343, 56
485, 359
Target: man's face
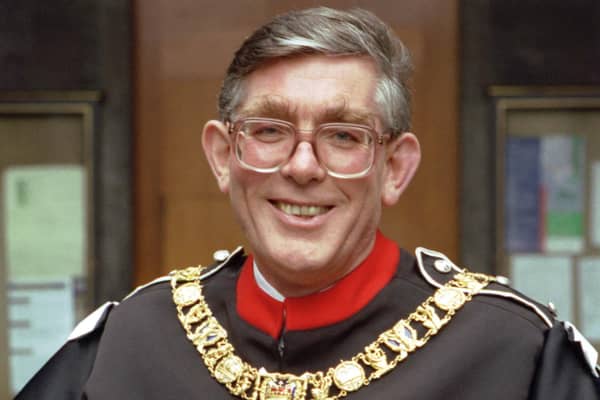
308, 229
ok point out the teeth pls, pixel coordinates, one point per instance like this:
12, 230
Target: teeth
302, 211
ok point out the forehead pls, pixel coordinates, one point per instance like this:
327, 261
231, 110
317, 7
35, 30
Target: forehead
306, 87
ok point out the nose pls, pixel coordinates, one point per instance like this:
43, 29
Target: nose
303, 165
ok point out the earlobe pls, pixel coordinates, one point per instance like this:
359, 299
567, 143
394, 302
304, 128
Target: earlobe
216, 145
402, 160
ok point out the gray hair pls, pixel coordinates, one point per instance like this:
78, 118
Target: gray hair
331, 32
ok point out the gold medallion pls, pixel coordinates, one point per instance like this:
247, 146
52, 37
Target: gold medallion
229, 369
187, 294
449, 298
349, 376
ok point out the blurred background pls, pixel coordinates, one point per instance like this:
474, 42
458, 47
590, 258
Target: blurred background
104, 185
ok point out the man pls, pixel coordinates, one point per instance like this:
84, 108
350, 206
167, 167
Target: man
311, 143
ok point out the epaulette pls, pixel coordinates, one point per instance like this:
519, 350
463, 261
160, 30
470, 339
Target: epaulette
435, 267
222, 258
92, 322
589, 352
96, 319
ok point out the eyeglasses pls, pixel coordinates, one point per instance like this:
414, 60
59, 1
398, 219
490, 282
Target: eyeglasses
345, 150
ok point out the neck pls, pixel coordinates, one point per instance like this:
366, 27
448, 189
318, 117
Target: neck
265, 285
309, 279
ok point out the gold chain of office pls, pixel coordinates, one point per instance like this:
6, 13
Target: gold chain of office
384, 354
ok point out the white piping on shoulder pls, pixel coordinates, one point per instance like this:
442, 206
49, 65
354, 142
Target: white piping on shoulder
589, 352
420, 251
221, 265
90, 323
144, 286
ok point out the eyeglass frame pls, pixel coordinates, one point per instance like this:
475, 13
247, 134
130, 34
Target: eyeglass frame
377, 137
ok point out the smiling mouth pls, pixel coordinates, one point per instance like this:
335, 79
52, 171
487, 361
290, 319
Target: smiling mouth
298, 210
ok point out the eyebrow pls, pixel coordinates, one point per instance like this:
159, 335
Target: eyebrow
342, 113
271, 106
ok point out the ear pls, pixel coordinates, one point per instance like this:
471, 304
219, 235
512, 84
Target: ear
402, 159
216, 145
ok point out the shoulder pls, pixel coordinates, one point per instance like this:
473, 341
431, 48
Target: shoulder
437, 269
524, 316
148, 298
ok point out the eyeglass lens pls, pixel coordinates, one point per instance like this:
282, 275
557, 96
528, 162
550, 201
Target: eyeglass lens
265, 145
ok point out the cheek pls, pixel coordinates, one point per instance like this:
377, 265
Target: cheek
365, 213
241, 178
364, 194
245, 185
238, 199
373, 194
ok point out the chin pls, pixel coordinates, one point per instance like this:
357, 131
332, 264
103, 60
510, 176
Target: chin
300, 256
303, 260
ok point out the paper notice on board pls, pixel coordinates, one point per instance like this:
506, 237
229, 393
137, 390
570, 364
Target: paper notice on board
562, 158
595, 204
522, 194
45, 225
545, 279
41, 315
544, 194
589, 297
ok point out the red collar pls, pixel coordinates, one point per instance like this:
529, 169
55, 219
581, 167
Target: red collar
333, 305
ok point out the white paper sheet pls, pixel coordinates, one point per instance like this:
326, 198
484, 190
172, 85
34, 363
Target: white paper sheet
545, 279
44, 214
41, 315
562, 158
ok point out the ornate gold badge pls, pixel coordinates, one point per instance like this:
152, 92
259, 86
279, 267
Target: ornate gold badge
274, 386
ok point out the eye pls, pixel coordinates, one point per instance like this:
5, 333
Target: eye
345, 137
266, 132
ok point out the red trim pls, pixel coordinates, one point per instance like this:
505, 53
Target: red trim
341, 301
